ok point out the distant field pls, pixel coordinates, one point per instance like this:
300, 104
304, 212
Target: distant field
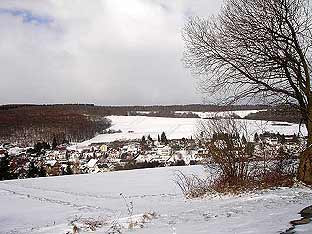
134, 127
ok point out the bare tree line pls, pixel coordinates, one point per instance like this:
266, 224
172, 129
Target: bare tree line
30, 124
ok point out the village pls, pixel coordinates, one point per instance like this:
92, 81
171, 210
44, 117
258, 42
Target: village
66, 159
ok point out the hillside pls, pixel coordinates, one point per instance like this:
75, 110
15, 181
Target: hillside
31, 123
134, 127
27, 124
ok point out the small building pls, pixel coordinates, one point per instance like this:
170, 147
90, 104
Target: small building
164, 150
92, 165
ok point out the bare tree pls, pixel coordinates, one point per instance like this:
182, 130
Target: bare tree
229, 154
236, 163
257, 50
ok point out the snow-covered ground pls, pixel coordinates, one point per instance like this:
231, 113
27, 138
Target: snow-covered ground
47, 205
209, 114
242, 113
134, 127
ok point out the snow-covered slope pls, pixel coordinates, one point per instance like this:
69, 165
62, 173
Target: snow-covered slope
134, 127
47, 205
241, 113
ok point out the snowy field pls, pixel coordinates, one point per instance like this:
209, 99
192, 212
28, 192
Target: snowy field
242, 113
134, 127
47, 205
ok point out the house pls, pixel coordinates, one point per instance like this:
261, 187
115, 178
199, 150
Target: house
93, 165
144, 158
103, 165
103, 148
272, 140
15, 151
113, 153
164, 150
131, 149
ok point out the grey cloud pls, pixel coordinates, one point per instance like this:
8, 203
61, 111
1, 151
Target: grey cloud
106, 52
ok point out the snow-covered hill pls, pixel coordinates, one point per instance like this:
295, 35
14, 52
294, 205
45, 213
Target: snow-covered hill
241, 113
134, 127
48, 205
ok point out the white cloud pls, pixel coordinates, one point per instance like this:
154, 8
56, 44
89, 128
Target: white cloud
100, 51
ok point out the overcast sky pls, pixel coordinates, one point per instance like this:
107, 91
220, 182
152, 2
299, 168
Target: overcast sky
107, 52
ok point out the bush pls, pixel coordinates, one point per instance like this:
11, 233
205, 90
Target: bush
192, 185
235, 165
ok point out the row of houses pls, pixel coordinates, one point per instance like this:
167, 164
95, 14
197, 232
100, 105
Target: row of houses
69, 159
103, 157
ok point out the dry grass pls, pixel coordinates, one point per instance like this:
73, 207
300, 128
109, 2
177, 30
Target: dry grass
192, 185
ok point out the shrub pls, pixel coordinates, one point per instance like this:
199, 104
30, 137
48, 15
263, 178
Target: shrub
192, 185
235, 165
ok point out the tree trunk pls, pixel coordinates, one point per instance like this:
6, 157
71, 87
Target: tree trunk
305, 164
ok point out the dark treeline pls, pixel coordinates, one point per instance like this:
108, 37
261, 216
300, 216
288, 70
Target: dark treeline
285, 114
114, 110
27, 124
